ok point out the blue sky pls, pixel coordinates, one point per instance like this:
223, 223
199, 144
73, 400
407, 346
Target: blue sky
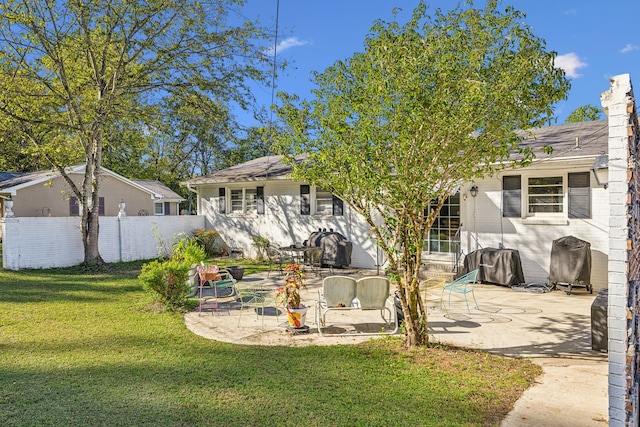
594, 39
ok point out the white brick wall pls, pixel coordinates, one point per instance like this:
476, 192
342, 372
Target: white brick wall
282, 223
623, 410
48, 242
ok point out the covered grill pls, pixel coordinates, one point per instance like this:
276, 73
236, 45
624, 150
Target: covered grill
336, 249
570, 263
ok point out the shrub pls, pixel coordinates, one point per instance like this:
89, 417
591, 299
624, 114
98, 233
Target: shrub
211, 241
260, 244
188, 250
168, 282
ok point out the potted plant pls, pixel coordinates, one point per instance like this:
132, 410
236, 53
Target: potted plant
289, 295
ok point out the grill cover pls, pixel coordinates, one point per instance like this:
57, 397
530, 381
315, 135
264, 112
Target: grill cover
336, 249
499, 266
570, 261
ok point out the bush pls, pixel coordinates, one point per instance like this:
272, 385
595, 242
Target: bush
188, 250
168, 281
211, 241
260, 244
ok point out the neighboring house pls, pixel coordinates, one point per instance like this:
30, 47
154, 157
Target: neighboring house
523, 208
46, 193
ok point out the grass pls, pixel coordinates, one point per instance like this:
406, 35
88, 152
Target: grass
81, 348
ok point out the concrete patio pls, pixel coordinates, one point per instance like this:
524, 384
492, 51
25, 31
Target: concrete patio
552, 329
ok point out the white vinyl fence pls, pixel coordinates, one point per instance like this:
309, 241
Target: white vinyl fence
44, 242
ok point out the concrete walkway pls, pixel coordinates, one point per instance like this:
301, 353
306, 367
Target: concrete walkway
552, 329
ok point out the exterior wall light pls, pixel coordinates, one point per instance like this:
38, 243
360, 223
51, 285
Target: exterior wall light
473, 190
600, 170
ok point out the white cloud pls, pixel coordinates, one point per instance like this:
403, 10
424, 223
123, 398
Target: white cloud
570, 63
289, 43
629, 48
570, 12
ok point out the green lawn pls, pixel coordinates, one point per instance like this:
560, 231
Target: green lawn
80, 348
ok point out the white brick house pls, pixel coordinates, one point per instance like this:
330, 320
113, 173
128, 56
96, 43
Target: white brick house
557, 195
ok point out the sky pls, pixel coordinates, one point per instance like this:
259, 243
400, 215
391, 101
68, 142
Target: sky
594, 39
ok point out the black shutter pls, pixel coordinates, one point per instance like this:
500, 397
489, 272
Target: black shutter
579, 195
260, 200
167, 208
512, 196
101, 206
222, 202
338, 206
74, 208
305, 200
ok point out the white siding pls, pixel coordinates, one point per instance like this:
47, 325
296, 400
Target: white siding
484, 226
282, 223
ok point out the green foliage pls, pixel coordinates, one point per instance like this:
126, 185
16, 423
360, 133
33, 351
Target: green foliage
260, 243
167, 280
585, 113
211, 241
188, 250
427, 106
74, 76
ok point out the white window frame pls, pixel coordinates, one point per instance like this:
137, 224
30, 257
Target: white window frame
563, 192
249, 204
155, 208
324, 199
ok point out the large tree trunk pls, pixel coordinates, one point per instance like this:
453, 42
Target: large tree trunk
91, 201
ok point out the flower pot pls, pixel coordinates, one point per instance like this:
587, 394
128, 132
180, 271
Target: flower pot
237, 271
296, 316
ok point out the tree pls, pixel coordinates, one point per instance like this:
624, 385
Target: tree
586, 113
71, 71
427, 106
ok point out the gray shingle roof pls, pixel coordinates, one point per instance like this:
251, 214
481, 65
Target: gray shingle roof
592, 139
159, 188
268, 167
11, 179
569, 140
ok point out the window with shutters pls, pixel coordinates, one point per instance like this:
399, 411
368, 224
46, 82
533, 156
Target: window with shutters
319, 201
546, 195
241, 200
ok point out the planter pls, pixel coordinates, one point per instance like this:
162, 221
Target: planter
237, 271
297, 316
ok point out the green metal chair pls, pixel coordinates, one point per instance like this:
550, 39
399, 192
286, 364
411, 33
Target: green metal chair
462, 285
254, 295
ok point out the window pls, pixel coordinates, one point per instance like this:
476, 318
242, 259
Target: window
236, 200
442, 236
511, 196
74, 206
545, 195
579, 195
243, 200
324, 202
250, 197
158, 208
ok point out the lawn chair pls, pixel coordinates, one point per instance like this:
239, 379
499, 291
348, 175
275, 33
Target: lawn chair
462, 285
256, 296
220, 281
313, 258
278, 257
337, 293
372, 293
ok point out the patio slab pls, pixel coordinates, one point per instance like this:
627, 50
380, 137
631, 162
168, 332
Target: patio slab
552, 329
